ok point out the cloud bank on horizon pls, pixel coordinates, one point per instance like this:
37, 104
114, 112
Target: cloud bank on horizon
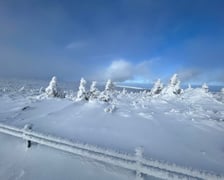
124, 40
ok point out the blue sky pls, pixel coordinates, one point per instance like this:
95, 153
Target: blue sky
125, 40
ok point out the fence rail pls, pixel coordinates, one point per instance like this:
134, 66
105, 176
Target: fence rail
135, 162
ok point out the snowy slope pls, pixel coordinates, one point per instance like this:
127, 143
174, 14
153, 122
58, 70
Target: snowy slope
187, 129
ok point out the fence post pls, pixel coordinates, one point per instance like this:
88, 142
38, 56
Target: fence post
139, 155
26, 128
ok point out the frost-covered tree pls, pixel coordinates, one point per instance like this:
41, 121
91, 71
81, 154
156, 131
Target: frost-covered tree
93, 87
81, 94
94, 92
157, 87
109, 86
174, 80
107, 93
177, 89
174, 86
52, 89
205, 87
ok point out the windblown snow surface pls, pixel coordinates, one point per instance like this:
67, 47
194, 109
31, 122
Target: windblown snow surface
186, 129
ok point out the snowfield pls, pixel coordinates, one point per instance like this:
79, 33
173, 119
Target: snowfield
186, 128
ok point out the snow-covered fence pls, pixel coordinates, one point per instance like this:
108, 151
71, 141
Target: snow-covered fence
135, 162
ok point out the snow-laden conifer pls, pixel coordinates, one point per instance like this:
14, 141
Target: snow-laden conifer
52, 90
173, 87
157, 87
108, 91
94, 92
109, 86
81, 94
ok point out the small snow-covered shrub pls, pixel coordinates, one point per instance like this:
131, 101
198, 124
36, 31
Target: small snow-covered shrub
157, 88
41, 90
52, 90
205, 87
124, 91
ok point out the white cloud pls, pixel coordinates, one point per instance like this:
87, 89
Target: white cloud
194, 75
120, 70
190, 74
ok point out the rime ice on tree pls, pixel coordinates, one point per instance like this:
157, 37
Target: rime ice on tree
106, 94
174, 86
82, 95
52, 89
94, 92
109, 86
157, 88
174, 80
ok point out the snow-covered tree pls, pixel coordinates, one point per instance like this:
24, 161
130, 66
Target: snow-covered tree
94, 92
52, 90
109, 86
82, 95
174, 80
157, 88
107, 93
205, 87
174, 86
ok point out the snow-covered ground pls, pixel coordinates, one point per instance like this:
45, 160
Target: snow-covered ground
185, 129
42, 162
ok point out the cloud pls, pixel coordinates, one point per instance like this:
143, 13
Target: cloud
190, 74
120, 70
201, 75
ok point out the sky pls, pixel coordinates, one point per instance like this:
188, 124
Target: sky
124, 40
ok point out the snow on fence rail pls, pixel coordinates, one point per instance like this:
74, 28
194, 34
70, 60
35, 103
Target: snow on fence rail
135, 162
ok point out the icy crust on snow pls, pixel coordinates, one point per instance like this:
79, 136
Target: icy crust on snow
186, 129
